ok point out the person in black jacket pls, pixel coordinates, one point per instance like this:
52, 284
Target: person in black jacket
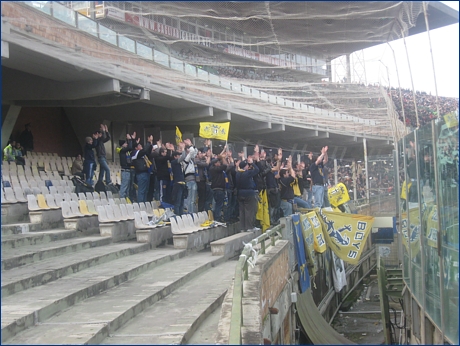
179, 187
162, 157
127, 172
247, 194
142, 171
89, 164
27, 139
219, 184
103, 137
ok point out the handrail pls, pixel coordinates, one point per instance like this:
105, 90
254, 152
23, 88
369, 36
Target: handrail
241, 274
149, 53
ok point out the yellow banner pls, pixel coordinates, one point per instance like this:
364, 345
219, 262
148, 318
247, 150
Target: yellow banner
346, 234
451, 119
307, 232
214, 130
415, 229
178, 136
318, 240
338, 194
403, 189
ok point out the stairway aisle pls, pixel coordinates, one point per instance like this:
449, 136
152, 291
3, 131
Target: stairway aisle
179, 317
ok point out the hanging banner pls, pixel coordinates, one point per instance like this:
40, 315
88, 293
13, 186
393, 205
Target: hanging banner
411, 235
304, 276
432, 226
318, 237
346, 234
214, 130
403, 189
338, 194
307, 231
338, 274
263, 215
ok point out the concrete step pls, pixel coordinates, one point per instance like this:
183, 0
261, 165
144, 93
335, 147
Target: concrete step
42, 272
232, 245
21, 227
90, 319
35, 305
23, 239
12, 258
177, 317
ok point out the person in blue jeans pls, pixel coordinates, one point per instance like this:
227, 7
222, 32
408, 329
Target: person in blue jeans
317, 177
103, 137
89, 164
142, 171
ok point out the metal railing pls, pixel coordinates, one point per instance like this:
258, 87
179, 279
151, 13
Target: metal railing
242, 274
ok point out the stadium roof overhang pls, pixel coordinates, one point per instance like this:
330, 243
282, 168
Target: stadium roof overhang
329, 29
39, 73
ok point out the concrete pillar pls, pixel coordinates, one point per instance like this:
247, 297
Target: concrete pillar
8, 124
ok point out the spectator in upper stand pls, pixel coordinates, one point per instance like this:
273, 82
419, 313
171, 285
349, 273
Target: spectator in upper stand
8, 152
27, 139
127, 170
247, 194
179, 187
142, 171
190, 173
286, 179
202, 162
162, 157
103, 137
89, 165
77, 167
316, 171
219, 185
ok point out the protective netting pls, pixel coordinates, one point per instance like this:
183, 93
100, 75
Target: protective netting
280, 49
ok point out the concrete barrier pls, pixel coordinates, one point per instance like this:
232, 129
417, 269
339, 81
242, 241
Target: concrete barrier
48, 219
12, 213
201, 239
232, 245
154, 236
87, 224
119, 231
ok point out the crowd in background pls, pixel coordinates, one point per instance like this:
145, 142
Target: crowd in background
426, 106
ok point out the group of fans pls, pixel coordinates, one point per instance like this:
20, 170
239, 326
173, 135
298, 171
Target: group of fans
190, 179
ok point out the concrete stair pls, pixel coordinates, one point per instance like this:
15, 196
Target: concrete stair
63, 286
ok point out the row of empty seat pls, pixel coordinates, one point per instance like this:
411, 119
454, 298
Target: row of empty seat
189, 223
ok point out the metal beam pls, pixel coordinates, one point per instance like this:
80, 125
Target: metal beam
8, 123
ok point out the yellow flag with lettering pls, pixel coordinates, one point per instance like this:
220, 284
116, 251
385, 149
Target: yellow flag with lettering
338, 194
178, 136
308, 236
214, 130
346, 234
451, 119
414, 229
318, 240
403, 189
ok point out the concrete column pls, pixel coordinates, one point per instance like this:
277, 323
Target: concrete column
8, 124
348, 68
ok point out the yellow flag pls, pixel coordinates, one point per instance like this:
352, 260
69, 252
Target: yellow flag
318, 241
178, 136
346, 234
214, 130
308, 238
338, 194
415, 228
451, 119
263, 214
403, 189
